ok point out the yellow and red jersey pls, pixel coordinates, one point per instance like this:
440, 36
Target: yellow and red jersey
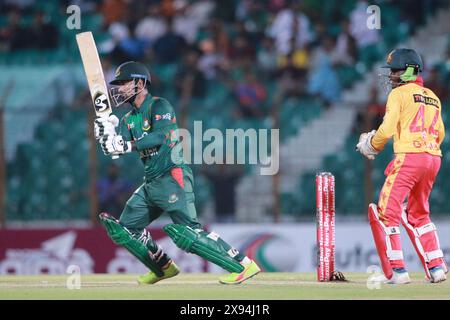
413, 118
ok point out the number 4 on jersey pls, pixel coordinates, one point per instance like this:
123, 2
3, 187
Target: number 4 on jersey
418, 123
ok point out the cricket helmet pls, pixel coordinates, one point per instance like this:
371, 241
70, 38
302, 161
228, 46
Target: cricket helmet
126, 72
131, 70
404, 59
401, 59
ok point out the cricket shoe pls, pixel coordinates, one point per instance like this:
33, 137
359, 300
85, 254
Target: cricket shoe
399, 276
437, 274
249, 271
151, 278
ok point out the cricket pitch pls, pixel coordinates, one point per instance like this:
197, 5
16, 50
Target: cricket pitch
202, 286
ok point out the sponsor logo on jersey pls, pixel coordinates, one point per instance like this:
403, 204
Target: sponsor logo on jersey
130, 126
149, 152
165, 116
427, 100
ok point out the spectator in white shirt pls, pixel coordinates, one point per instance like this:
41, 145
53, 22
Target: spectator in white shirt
289, 23
358, 26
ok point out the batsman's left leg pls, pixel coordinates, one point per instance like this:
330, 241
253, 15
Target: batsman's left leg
188, 233
130, 232
136, 245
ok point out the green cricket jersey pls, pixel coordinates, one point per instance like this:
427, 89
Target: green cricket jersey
154, 132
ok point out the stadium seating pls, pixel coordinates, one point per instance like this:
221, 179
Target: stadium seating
49, 178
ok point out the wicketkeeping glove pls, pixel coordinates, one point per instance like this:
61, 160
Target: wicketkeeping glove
105, 126
365, 146
115, 145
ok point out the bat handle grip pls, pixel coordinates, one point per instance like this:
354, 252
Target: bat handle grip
115, 157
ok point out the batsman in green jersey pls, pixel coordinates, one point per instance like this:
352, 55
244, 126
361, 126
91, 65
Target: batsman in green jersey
150, 129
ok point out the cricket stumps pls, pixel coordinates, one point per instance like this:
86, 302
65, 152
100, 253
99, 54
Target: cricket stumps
325, 212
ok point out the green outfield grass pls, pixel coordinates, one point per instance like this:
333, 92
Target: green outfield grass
267, 286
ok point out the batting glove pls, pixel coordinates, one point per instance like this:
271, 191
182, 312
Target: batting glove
105, 126
115, 145
365, 146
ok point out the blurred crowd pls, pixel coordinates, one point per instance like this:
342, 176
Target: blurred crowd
225, 40
41, 33
241, 43
299, 45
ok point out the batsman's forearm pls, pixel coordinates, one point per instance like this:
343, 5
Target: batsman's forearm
151, 140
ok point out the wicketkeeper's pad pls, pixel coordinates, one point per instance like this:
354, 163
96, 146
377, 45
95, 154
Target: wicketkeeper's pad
123, 237
426, 242
387, 241
199, 243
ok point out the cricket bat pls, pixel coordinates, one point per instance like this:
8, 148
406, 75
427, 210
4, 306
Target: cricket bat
94, 75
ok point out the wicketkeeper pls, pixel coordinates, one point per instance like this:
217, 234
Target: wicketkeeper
150, 129
413, 119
